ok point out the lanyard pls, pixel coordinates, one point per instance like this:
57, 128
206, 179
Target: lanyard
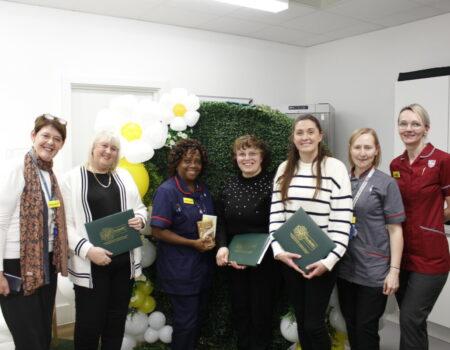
361, 188
50, 196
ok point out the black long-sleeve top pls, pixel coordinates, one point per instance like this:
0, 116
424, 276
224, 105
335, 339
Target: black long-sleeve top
243, 206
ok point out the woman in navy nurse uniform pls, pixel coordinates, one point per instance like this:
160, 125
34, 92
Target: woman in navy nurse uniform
184, 261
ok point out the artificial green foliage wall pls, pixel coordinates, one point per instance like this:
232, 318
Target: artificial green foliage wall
218, 126
221, 123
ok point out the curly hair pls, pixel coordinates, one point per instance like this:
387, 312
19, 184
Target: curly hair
182, 148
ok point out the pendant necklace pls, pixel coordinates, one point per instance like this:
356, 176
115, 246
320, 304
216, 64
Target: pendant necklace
98, 181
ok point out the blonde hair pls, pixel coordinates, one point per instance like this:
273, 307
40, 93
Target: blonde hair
111, 138
357, 133
420, 111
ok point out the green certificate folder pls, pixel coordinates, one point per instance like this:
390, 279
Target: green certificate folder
301, 235
248, 248
113, 233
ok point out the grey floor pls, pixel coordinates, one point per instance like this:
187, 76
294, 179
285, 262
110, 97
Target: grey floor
390, 335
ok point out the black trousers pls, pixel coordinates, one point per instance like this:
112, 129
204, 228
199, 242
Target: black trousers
29, 318
254, 292
416, 297
188, 314
101, 311
310, 299
362, 308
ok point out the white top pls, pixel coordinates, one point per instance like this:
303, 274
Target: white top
74, 189
12, 183
331, 209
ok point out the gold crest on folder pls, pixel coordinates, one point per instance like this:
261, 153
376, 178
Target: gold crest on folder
305, 242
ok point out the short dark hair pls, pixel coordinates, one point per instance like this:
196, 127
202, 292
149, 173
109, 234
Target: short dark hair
183, 147
43, 121
248, 141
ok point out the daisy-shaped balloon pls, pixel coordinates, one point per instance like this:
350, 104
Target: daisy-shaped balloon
139, 125
180, 108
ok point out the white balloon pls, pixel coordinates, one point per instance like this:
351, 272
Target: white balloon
391, 306
136, 323
140, 337
124, 105
178, 124
65, 287
148, 254
334, 300
156, 320
138, 151
337, 321
149, 111
192, 118
166, 100
165, 334
128, 342
5, 336
288, 328
192, 102
151, 335
3, 326
156, 134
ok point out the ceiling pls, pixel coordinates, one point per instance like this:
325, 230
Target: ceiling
301, 25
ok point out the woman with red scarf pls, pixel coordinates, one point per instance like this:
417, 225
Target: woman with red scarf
33, 238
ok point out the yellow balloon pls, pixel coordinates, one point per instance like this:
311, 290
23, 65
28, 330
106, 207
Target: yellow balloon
340, 336
137, 298
179, 110
139, 174
148, 305
145, 287
131, 131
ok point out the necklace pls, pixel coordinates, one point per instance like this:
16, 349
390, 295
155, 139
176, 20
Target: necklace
104, 186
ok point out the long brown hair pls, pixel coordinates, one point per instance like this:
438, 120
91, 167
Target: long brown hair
293, 160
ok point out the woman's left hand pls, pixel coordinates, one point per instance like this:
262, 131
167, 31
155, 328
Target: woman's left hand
137, 223
315, 270
391, 283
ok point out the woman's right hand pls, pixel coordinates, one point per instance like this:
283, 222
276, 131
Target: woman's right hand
222, 256
203, 244
99, 256
4, 286
288, 259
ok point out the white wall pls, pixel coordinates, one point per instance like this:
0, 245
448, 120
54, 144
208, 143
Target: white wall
357, 75
40, 47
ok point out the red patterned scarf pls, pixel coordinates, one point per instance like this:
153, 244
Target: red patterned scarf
32, 227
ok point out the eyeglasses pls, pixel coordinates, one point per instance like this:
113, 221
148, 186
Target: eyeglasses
250, 154
414, 125
52, 117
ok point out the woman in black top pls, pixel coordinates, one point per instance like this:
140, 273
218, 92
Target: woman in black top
244, 207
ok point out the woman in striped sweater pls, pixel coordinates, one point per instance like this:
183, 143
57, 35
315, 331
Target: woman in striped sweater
311, 179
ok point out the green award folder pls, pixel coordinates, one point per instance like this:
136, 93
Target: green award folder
301, 235
248, 248
113, 233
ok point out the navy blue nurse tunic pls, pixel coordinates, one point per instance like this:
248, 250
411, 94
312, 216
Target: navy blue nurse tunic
182, 270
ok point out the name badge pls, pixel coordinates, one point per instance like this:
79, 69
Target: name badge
188, 200
396, 174
54, 204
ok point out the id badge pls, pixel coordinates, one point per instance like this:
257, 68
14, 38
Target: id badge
353, 231
54, 204
187, 200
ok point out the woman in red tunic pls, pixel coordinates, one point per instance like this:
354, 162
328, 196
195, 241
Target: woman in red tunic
423, 175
